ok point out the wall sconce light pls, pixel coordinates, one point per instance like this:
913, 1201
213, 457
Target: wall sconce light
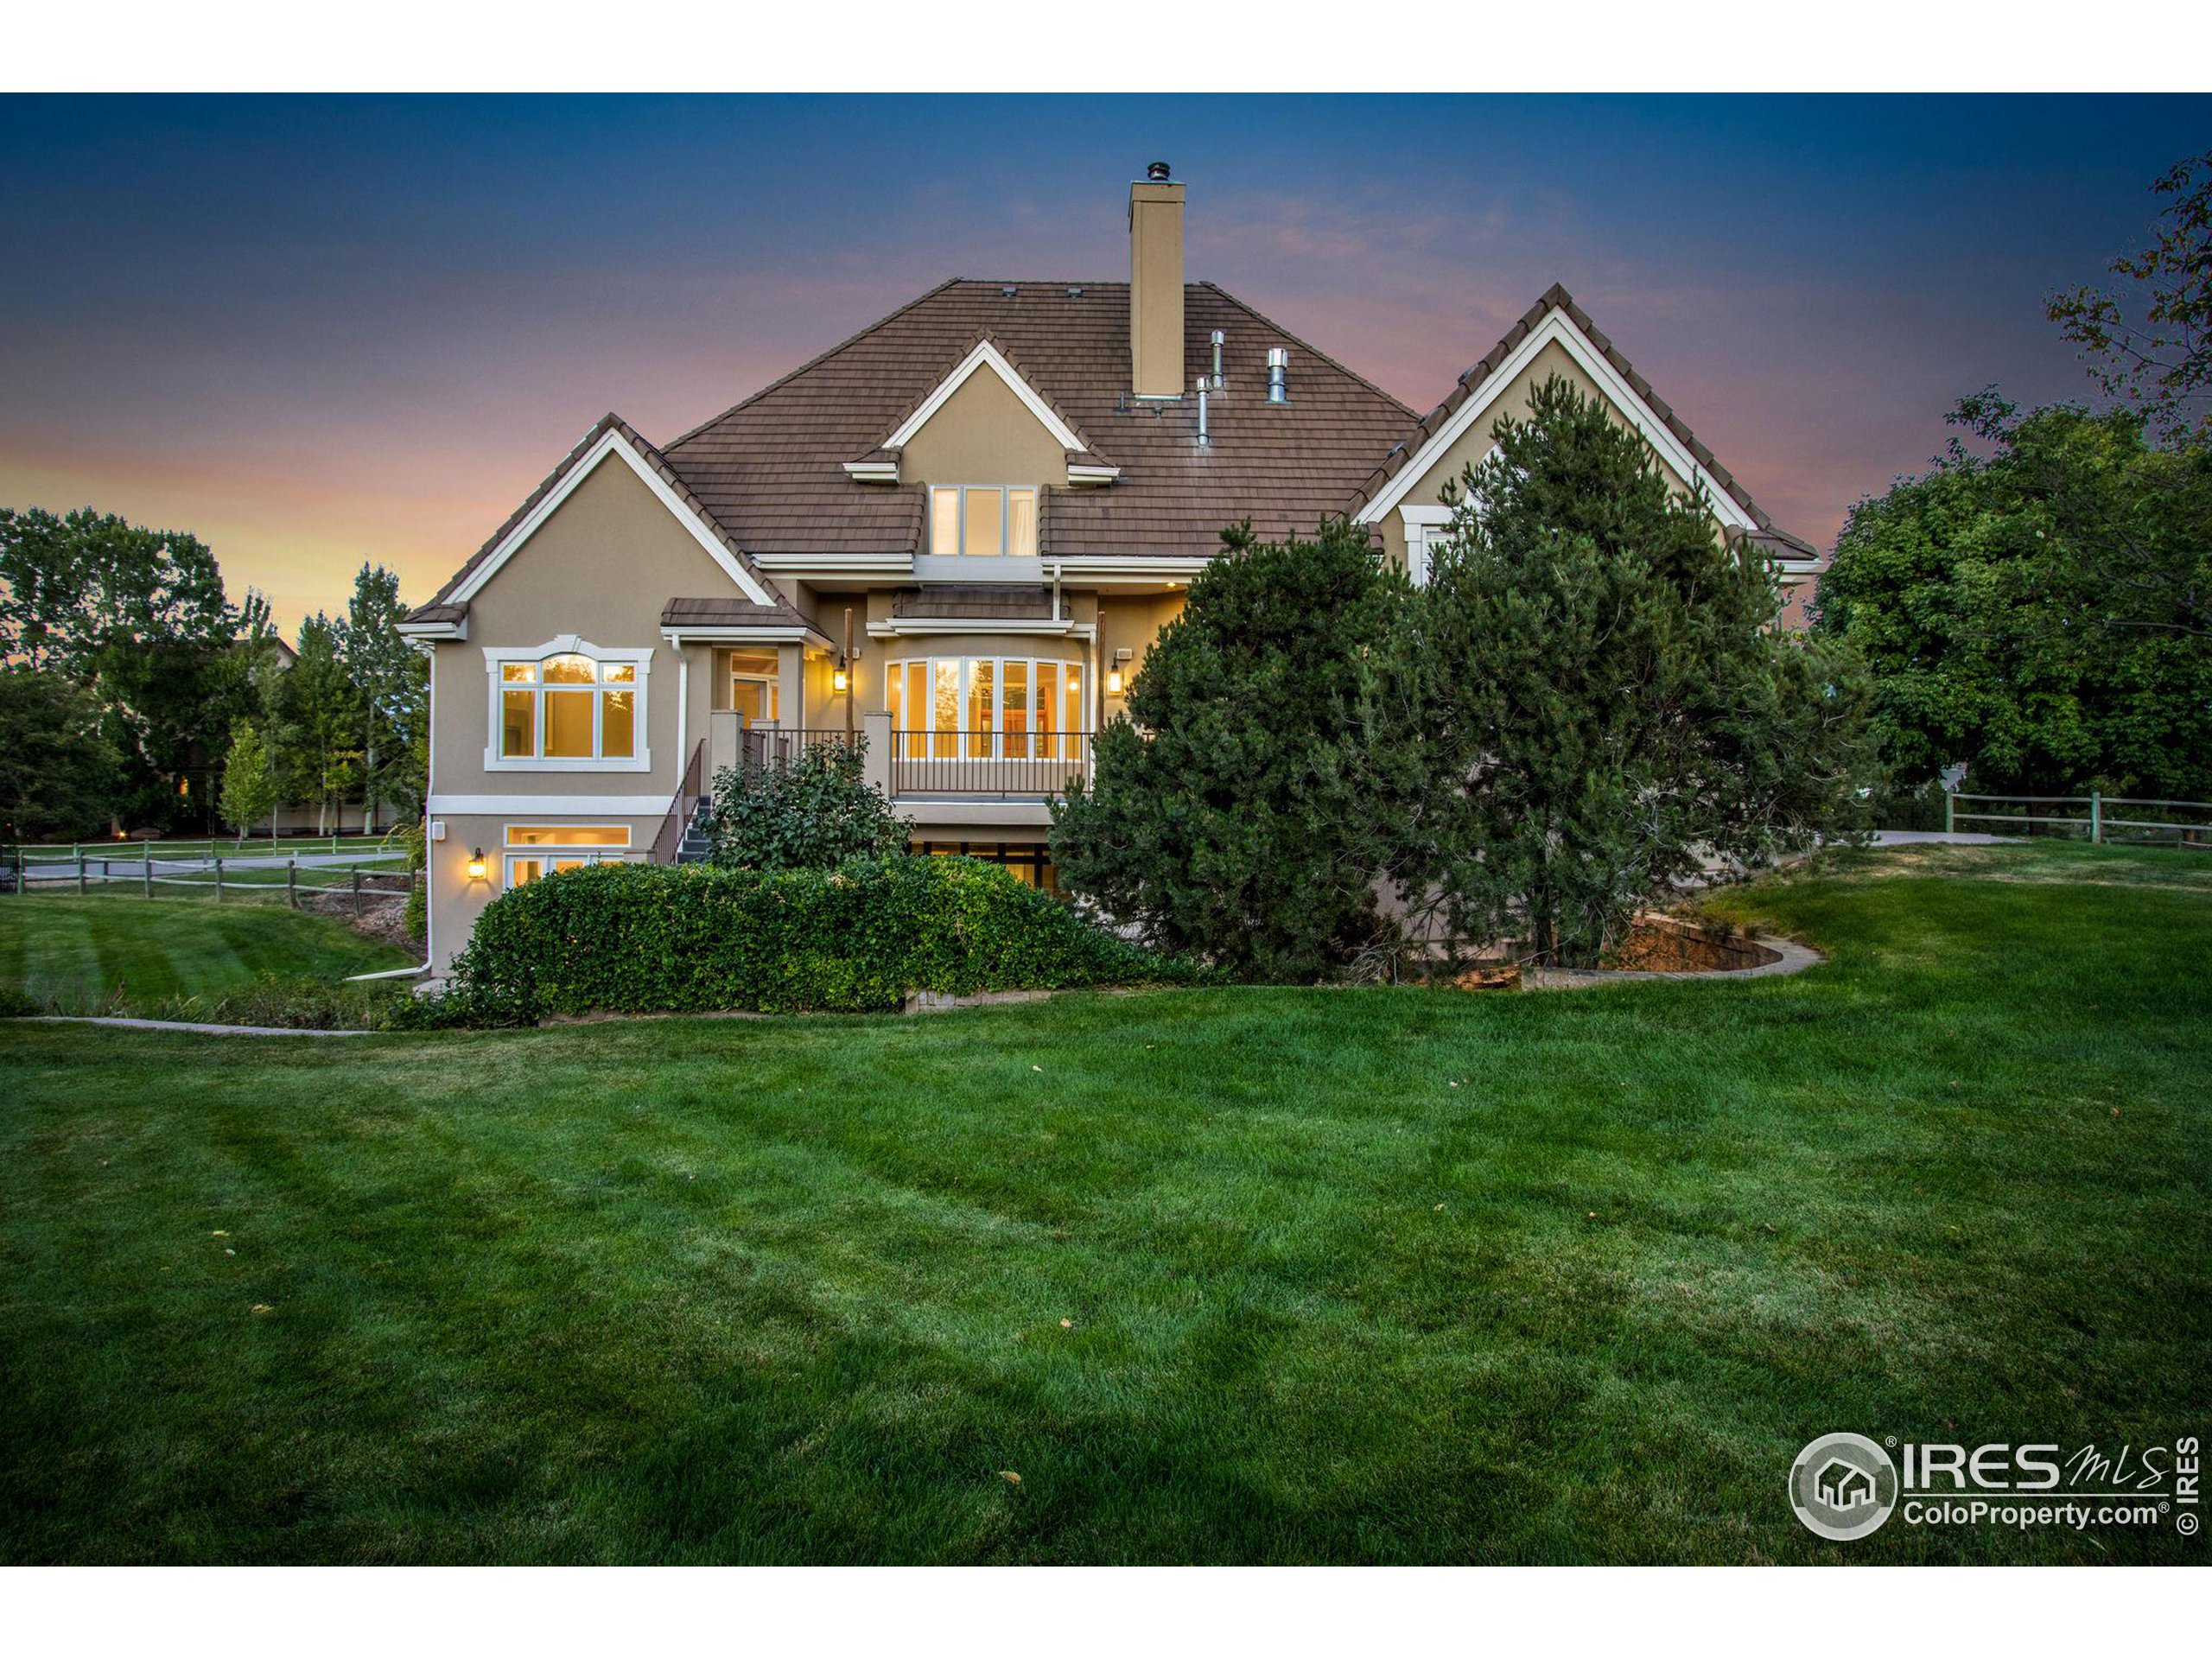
1113, 682
840, 677
476, 865
1116, 675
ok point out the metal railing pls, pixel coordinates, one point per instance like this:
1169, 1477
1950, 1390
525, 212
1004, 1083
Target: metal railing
778, 745
2189, 823
1001, 765
681, 806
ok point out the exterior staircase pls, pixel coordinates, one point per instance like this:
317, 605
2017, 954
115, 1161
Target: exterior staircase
698, 844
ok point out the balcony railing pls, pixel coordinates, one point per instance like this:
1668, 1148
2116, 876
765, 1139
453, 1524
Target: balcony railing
996, 766
770, 745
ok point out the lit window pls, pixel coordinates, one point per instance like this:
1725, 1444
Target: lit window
563, 847
571, 707
985, 708
984, 521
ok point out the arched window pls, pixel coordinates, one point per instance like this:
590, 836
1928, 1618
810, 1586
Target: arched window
568, 706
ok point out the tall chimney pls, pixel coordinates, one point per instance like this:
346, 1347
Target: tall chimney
1156, 285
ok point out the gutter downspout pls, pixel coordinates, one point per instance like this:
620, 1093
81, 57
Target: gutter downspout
389, 973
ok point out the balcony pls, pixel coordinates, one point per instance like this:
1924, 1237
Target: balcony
947, 769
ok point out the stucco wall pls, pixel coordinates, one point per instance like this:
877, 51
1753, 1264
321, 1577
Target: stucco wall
984, 433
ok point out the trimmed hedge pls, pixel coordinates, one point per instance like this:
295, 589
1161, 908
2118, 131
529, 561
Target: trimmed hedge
646, 938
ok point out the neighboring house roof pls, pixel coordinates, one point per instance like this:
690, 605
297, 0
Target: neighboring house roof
1556, 298
772, 469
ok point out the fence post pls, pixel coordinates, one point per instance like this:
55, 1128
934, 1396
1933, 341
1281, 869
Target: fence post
2096, 816
80, 872
357, 889
150, 869
1949, 801
219, 878
292, 881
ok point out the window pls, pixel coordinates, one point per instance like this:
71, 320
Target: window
1030, 863
985, 708
568, 707
983, 520
754, 690
562, 847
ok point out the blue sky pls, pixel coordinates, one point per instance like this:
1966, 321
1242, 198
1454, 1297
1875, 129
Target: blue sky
320, 330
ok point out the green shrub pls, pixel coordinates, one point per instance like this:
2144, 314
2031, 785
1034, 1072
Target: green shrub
16, 1003
639, 939
812, 813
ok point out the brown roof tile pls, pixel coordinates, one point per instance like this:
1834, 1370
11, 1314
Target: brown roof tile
773, 468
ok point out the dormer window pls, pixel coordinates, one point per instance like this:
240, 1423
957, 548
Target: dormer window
983, 520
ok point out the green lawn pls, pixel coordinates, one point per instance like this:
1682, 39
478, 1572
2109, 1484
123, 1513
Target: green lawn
1230, 1276
76, 952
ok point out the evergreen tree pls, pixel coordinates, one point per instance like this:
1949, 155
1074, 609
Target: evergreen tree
391, 679
57, 771
1262, 799
320, 736
1613, 706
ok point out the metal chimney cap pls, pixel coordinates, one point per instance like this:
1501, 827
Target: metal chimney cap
1157, 172
1278, 357
1218, 337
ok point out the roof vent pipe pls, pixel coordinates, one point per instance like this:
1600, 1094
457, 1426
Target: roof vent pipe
1204, 437
1218, 337
1278, 369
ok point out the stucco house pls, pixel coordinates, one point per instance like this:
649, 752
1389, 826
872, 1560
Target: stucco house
956, 534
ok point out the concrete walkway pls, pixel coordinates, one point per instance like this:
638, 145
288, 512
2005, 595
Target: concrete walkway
181, 1025
1939, 837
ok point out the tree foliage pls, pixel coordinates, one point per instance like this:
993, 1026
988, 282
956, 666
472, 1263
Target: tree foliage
812, 813
2042, 612
1611, 705
250, 792
319, 734
57, 771
392, 680
1264, 795
2160, 364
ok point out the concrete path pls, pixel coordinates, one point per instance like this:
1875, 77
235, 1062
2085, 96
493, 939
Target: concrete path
1942, 837
183, 1025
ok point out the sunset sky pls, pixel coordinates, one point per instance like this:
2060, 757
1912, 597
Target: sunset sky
318, 331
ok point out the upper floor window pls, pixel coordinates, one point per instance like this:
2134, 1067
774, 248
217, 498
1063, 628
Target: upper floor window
753, 685
983, 520
568, 707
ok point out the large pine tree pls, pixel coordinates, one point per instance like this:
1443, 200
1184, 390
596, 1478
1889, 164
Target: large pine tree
1611, 706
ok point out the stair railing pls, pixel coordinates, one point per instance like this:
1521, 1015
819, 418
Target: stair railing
688, 793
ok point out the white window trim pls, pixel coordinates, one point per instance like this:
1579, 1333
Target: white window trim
497, 656
1006, 521
613, 444
1422, 523
1557, 325
1068, 668
987, 356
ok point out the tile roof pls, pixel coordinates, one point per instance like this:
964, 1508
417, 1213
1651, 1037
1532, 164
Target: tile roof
1556, 298
731, 610
772, 469
979, 600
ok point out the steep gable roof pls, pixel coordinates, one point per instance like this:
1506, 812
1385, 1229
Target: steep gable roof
1476, 380
450, 603
773, 468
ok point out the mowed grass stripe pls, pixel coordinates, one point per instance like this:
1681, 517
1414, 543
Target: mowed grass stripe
74, 951
794, 1290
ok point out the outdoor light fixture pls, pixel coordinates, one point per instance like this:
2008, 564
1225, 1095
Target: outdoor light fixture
1113, 682
476, 865
840, 677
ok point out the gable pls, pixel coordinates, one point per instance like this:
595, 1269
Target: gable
601, 562
984, 433
610, 444
1551, 340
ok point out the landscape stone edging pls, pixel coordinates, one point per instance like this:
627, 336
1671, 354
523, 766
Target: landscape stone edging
1791, 958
